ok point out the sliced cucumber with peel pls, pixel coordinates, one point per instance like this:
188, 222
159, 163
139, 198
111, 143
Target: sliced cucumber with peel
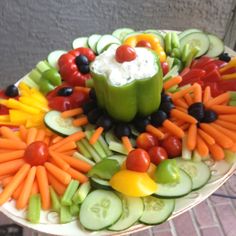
216, 46
98, 183
100, 209
122, 32
53, 58
188, 31
80, 42
106, 40
93, 40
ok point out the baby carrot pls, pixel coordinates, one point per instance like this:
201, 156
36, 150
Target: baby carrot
224, 97
6, 180
72, 112
153, 130
31, 135
77, 175
59, 174
69, 153
188, 98
25, 193
222, 109
197, 93
182, 92
57, 139
42, 180
57, 186
96, 135
127, 144
182, 116
181, 109
11, 167
216, 152
59, 161
11, 155
207, 138
207, 94
35, 188
16, 180
181, 103
8, 133
80, 121
202, 147
192, 137
67, 147
9, 144
172, 82
173, 128
230, 118
40, 135
23, 132
226, 124
18, 190
221, 139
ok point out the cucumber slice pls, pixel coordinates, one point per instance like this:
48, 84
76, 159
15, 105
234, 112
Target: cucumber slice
59, 125
122, 32
100, 209
119, 158
198, 171
98, 183
106, 40
93, 40
175, 190
197, 39
188, 31
132, 210
54, 56
80, 42
216, 46
156, 210
110, 137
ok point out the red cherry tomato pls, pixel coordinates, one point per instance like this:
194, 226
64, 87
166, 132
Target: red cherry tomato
36, 153
138, 160
146, 141
165, 67
157, 154
173, 146
125, 53
143, 43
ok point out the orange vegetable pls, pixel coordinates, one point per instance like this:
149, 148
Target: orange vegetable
12, 144
173, 128
216, 152
80, 121
224, 97
67, 147
207, 94
96, 135
40, 135
59, 161
207, 138
8, 133
197, 93
172, 82
182, 116
230, 118
182, 92
35, 188
192, 137
77, 175
11, 167
127, 144
72, 112
222, 109
202, 147
31, 135
188, 98
226, 124
154, 131
57, 186
11, 155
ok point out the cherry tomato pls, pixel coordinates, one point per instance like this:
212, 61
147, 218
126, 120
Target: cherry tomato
157, 154
36, 153
165, 67
138, 160
146, 141
125, 53
143, 43
173, 146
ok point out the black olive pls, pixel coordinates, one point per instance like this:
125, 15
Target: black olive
166, 107
11, 91
197, 110
140, 123
89, 106
81, 60
224, 57
165, 98
122, 130
210, 116
65, 91
94, 115
158, 117
84, 69
105, 121
92, 94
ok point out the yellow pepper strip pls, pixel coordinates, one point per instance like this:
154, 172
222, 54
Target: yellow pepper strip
132, 183
4, 118
231, 64
35, 94
33, 103
229, 76
152, 39
18, 116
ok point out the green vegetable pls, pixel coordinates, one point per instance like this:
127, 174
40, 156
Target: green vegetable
167, 172
83, 150
175, 40
186, 50
81, 193
65, 215
55, 200
34, 208
168, 43
177, 62
105, 169
70, 191
105, 147
74, 210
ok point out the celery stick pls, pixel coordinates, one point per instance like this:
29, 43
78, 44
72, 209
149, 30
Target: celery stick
117, 147
185, 52
196, 156
186, 154
70, 191
65, 215
96, 145
74, 210
43, 66
232, 103
83, 158
175, 40
173, 72
27, 80
232, 95
35, 75
91, 150
81, 193
83, 150
194, 51
170, 61
55, 200
104, 145
34, 208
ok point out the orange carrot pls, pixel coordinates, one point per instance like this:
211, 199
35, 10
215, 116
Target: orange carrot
69, 153
8, 133
11, 167
59, 161
77, 175
181, 109
127, 144
67, 147
233, 148
181, 103
96, 135
15, 182
9, 144
31, 135
153, 130
82, 89
197, 93
183, 116
57, 186
40, 135
72, 112
221, 109
202, 147
57, 139
188, 98
173, 128
224, 97
207, 138
182, 92
207, 94
42, 180
47, 140
230, 118
11, 155
221, 139
6, 180
35, 188
75, 162
83, 120
192, 137
172, 82
26, 190
59, 174
18, 190
216, 152
226, 124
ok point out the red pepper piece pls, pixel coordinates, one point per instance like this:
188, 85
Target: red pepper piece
198, 64
213, 76
228, 85
210, 67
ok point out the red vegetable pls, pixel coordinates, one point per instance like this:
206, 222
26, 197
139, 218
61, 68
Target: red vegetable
173, 146
157, 154
125, 53
146, 141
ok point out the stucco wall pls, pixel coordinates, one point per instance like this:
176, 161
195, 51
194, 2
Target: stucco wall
30, 29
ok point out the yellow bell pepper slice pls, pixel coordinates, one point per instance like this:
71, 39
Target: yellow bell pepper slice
33, 103
132, 183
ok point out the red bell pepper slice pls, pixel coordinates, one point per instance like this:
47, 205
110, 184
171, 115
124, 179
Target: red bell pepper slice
212, 76
228, 85
198, 64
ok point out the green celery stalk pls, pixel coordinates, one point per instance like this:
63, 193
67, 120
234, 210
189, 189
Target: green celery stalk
175, 40
81, 193
83, 158
83, 149
43, 66
74, 210
117, 147
34, 209
35, 75
65, 215
232, 95
185, 52
55, 200
68, 194
104, 145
